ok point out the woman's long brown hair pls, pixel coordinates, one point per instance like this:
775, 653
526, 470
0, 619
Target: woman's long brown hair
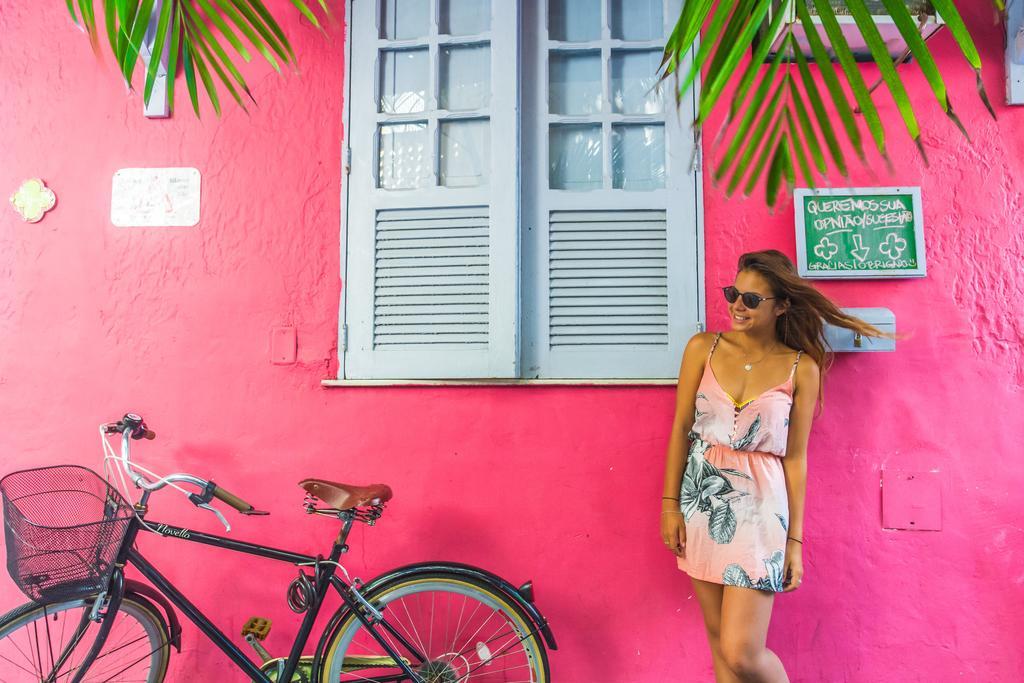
801, 327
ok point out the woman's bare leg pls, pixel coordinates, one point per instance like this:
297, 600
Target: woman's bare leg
709, 595
744, 631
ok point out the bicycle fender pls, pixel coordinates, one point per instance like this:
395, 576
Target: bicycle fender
144, 590
477, 573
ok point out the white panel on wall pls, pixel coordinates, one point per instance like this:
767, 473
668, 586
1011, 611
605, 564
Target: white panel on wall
155, 197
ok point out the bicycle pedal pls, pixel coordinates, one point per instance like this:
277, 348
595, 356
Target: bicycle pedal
258, 627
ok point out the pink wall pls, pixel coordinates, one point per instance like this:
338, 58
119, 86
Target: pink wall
555, 483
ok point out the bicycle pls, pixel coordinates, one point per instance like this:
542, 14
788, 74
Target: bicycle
70, 534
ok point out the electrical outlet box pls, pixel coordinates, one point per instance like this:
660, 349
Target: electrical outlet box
282, 345
911, 500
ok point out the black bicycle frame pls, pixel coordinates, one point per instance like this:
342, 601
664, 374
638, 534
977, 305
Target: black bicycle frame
325, 577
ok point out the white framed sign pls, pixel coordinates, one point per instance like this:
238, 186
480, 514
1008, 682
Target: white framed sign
155, 197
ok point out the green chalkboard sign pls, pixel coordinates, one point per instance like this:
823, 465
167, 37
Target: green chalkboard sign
860, 233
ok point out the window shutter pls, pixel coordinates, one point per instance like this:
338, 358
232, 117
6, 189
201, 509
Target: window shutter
431, 285
611, 280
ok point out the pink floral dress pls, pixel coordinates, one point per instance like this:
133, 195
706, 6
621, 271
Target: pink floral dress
733, 495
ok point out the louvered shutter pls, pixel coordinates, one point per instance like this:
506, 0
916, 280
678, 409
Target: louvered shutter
432, 261
611, 283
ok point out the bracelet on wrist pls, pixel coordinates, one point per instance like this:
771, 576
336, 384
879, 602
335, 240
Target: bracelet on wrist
670, 498
795, 539
671, 512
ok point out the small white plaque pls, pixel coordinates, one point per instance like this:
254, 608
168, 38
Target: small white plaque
152, 197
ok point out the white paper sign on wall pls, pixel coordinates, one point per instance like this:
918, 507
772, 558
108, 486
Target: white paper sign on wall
155, 197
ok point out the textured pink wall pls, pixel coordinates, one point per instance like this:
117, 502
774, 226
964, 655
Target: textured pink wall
555, 483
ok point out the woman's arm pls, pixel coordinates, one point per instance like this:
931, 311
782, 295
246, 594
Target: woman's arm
690, 370
808, 379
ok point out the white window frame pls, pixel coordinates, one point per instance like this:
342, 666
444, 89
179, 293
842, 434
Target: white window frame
524, 334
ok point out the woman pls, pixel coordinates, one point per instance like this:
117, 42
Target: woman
732, 510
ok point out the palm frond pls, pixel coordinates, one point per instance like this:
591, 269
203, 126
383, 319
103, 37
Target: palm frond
206, 37
801, 104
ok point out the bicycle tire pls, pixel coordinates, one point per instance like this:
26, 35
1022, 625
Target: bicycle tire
340, 643
20, 645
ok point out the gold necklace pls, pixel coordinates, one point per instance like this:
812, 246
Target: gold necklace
748, 366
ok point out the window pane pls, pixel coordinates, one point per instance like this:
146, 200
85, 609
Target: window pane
465, 17
574, 82
465, 77
638, 157
636, 19
634, 75
574, 20
404, 156
574, 155
404, 19
404, 76
465, 153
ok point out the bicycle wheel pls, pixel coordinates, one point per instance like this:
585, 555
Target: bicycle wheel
33, 636
468, 632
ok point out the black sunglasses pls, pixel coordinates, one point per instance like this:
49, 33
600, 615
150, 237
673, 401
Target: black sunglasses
750, 299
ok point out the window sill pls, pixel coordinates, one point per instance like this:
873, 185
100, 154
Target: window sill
494, 382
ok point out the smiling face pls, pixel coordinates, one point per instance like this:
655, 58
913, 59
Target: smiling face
756, 320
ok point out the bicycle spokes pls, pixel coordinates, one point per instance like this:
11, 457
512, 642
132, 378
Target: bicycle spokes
49, 645
454, 639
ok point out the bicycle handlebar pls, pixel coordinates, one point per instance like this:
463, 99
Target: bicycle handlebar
222, 494
131, 427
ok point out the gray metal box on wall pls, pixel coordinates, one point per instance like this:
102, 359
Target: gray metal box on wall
842, 340
919, 9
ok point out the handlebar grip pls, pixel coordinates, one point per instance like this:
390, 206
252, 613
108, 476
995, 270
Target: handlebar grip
149, 434
233, 500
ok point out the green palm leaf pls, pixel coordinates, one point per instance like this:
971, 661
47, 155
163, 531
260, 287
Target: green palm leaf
166, 11
250, 32
188, 67
824, 122
854, 77
947, 10
207, 59
756, 61
801, 104
209, 45
274, 39
762, 159
204, 73
219, 23
810, 135
202, 35
737, 21
714, 30
775, 172
740, 134
730, 52
880, 52
797, 150
911, 34
746, 126
172, 58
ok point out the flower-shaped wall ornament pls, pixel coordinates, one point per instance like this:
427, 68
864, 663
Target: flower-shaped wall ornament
33, 199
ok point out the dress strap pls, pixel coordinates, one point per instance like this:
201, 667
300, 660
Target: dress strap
713, 345
792, 372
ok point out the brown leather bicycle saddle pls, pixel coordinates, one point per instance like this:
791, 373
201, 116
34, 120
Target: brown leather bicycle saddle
346, 496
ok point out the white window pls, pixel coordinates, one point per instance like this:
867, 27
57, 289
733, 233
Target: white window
520, 201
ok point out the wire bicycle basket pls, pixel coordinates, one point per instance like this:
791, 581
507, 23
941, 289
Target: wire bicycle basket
63, 526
